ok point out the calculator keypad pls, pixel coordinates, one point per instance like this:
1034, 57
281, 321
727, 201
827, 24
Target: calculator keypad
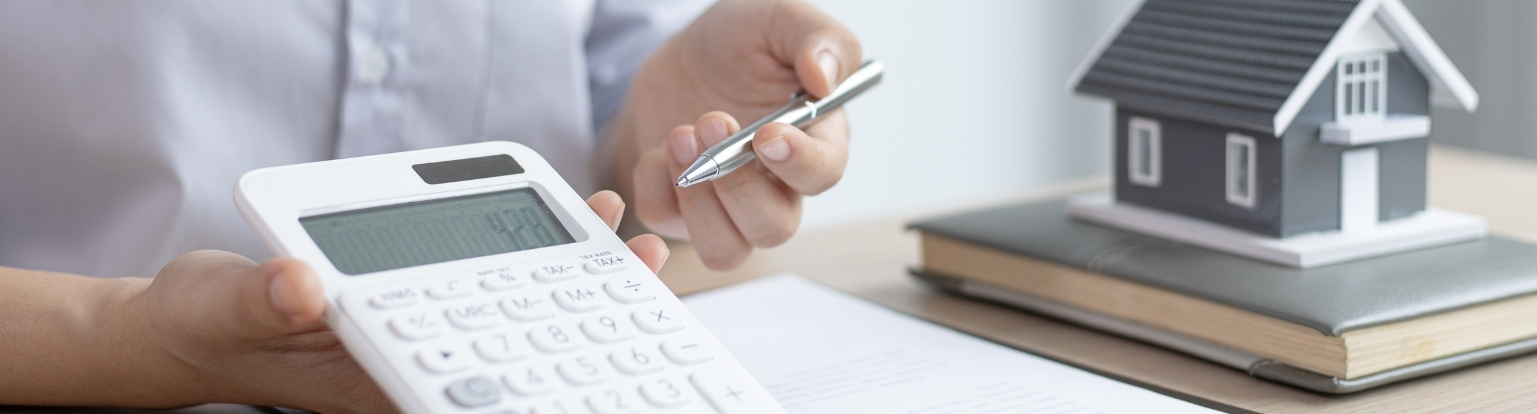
578, 336
474, 392
607, 328
418, 325
630, 289
475, 316
528, 307
444, 359
658, 319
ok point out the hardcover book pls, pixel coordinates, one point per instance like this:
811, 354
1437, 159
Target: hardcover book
1338, 328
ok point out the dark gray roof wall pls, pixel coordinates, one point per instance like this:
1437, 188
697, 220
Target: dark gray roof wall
1231, 61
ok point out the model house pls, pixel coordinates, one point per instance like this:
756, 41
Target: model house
1278, 118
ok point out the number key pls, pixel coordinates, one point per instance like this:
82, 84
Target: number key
529, 380
635, 360
664, 392
608, 329
551, 407
502, 348
554, 338
583, 370
614, 401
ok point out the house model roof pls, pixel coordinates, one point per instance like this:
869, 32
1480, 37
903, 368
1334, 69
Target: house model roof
1251, 63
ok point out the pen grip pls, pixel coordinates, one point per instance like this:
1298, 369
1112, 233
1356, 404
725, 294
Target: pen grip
736, 150
739, 152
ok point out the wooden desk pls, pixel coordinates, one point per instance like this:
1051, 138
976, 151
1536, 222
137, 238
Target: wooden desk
869, 259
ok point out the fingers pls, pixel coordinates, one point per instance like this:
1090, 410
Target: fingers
227, 297
609, 207
760, 207
806, 164
279, 297
656, 205
651, 249
710, 228
822, 50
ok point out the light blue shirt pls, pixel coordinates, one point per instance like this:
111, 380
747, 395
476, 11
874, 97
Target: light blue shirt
124, 125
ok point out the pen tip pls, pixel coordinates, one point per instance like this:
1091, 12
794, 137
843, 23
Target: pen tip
683, 182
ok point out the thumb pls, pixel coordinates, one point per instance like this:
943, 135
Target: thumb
822, 49
279, 297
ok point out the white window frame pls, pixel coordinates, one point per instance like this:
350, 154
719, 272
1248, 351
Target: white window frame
1241, 177
1144, 163
1361, 87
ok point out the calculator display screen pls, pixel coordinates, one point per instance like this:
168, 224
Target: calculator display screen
434, 231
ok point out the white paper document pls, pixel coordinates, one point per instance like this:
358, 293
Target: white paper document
818, 350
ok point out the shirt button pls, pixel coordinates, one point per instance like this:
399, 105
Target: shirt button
373, 66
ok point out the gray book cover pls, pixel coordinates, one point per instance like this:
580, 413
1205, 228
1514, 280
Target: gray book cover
1332, 299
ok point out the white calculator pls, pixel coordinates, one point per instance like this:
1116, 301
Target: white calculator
474, 279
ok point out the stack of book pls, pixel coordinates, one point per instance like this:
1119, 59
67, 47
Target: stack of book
1336, 329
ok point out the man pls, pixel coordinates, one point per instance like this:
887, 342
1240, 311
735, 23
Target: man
124, 125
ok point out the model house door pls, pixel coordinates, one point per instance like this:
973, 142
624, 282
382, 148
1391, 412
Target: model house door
1358, 189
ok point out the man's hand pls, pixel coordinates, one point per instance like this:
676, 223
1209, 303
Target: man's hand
211, 327
741, 59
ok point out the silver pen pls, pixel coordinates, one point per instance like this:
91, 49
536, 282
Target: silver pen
736, 150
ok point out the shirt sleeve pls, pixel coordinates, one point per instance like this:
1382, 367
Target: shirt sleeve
623, 34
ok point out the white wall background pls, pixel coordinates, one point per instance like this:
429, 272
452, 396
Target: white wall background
1491, 42
974, 103
973, 106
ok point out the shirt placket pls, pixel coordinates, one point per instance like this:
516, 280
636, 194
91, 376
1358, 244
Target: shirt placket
373, 103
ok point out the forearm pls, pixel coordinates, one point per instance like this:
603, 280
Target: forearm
72, 340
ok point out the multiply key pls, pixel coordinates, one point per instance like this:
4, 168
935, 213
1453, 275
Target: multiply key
657, 319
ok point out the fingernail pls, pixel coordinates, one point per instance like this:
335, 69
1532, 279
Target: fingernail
829, 64
712, 131
683, 149
282, 292
776, 150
